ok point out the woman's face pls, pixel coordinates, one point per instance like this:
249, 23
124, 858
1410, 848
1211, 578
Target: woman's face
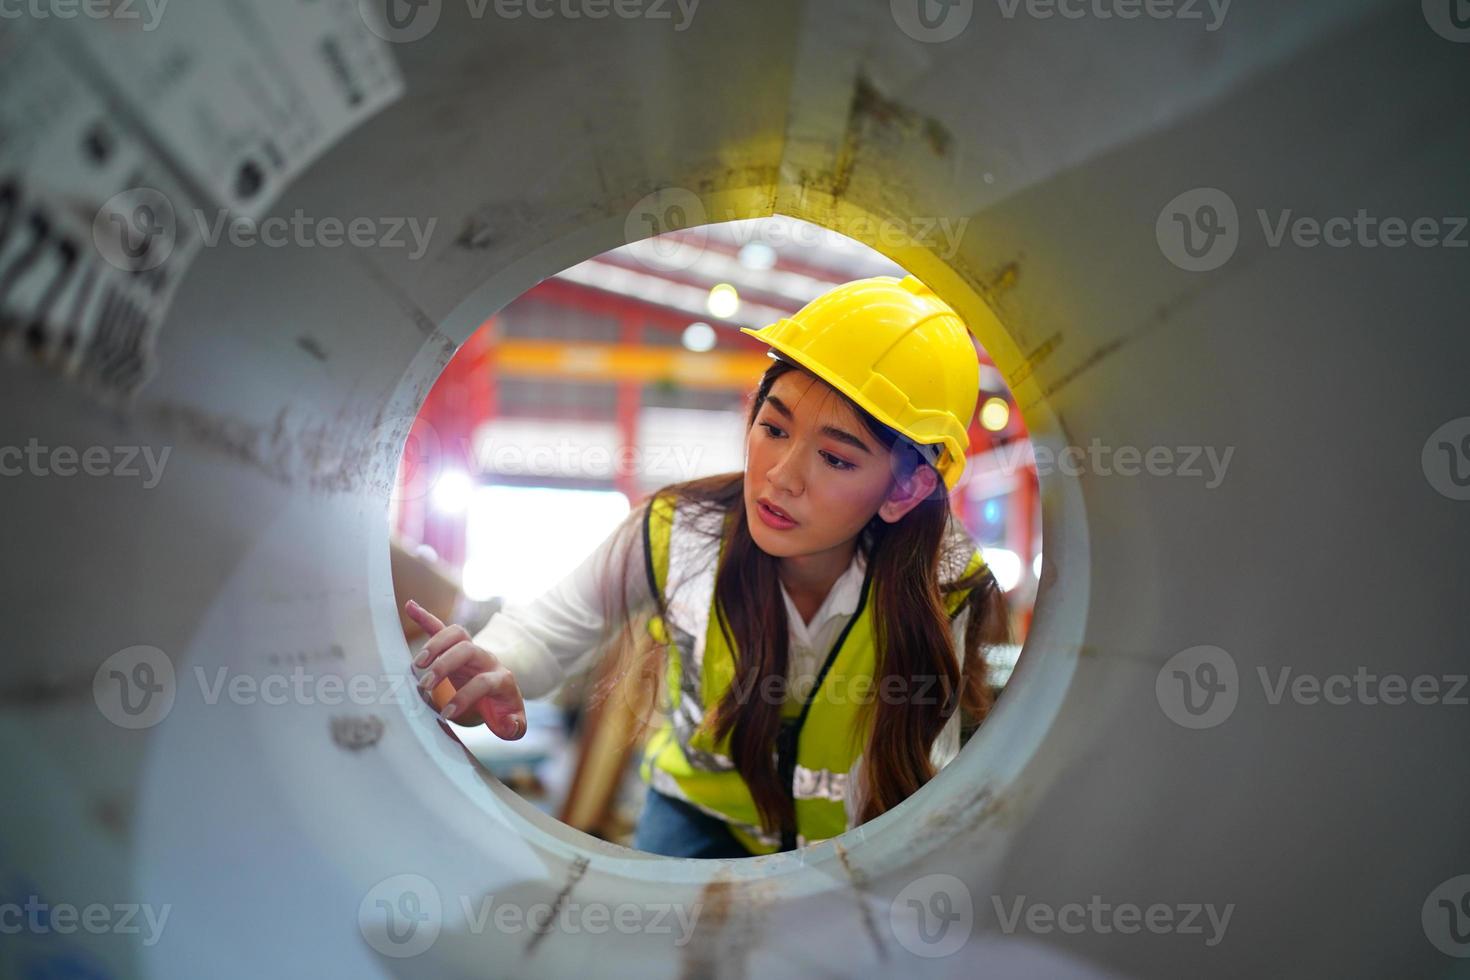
810, 456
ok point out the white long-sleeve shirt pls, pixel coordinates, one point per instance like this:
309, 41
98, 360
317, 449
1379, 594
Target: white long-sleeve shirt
546, 640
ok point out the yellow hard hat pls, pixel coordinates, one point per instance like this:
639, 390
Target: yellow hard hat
895, 349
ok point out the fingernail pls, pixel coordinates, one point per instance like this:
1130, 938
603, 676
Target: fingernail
450, 710
422, 660
426, 682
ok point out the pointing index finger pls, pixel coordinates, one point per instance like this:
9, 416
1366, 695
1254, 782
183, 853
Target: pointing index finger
431, 624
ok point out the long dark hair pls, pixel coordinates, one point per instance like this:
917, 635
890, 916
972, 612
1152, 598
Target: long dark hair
914, 563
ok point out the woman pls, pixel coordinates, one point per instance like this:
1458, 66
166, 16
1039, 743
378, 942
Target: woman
817, 621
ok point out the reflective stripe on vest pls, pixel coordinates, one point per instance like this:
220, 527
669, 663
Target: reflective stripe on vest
683, 760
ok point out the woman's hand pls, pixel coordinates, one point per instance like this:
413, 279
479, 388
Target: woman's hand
477, 678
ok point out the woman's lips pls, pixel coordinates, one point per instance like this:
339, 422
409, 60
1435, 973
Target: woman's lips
772, 519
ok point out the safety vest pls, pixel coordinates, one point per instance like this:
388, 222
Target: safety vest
821, 735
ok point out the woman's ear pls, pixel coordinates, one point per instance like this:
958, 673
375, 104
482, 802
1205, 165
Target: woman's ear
908, 493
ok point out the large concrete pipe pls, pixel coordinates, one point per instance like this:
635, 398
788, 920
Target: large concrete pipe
1329, 828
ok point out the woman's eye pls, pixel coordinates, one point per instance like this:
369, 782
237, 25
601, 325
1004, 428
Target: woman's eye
832, 461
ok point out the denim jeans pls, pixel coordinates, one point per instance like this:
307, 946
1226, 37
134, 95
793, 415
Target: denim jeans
674, 828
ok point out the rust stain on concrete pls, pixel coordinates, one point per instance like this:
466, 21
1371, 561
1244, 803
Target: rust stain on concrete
574, 874
860, 885
356, 732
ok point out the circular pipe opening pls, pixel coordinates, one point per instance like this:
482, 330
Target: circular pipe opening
964, 792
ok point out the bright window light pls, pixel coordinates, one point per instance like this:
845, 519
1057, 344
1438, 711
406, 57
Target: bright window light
451, 493
1005, 565
520, 541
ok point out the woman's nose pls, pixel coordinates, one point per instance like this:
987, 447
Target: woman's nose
784, 474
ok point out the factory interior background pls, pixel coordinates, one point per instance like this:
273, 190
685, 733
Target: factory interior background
595, 388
